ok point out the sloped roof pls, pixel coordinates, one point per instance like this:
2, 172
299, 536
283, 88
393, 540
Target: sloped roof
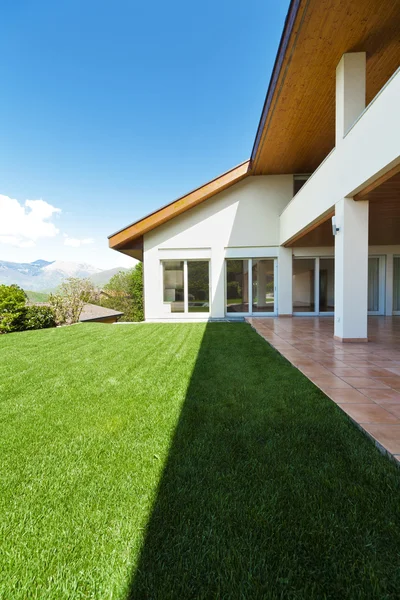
297, 125
92, 312
136, 230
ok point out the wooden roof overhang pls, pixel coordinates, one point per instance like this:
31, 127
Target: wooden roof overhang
130, 239
297, 126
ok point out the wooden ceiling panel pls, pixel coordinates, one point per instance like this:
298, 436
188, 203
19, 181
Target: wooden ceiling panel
298, 130
319, 237
384, 222
388, 190
384, 219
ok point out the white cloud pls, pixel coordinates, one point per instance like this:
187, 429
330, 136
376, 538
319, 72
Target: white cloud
75, 242
22, 225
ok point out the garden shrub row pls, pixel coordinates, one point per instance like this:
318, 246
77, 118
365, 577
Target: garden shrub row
15, 315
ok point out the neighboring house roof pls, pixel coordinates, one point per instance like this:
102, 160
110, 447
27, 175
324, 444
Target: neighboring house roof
297, 126
92, 312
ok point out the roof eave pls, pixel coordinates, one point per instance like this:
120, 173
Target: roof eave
283, 45
162, 215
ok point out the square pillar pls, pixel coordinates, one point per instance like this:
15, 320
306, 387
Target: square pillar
351, 271
217, 287
350, 91
285, 276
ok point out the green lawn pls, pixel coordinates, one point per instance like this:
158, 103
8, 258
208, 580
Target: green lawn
184, 461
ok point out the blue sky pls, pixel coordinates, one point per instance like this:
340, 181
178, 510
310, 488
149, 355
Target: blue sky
111, 109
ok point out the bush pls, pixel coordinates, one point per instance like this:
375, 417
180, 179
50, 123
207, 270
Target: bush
27, 317
12, 321
16, 316
12, 298
39, 317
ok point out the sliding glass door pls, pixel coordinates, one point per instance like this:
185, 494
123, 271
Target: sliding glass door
326, 285
186, 286
237, 286
198, 285
304, 270
250, 286
263, 297
396, 285
376, 285
313, 286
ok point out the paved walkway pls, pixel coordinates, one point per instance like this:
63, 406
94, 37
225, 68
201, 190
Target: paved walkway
363, 379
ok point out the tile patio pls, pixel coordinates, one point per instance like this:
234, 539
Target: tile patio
362, 379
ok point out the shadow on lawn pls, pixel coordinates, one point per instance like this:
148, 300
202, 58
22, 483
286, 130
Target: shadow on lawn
268, 491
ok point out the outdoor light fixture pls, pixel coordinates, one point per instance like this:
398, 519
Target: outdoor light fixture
334, 228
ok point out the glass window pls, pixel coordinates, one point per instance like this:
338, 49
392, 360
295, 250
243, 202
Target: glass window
263, 285
237, 286
198, 286
373, 284
326, 284
174, 285
298, 182
304, 285
396, 283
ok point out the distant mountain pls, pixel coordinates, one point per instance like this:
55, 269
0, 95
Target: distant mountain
100, 279
46, 275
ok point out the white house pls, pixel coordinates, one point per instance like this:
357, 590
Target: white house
310, 225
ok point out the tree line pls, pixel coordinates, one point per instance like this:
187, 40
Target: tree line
123, 293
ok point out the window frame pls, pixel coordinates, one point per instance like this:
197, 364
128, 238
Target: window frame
186, 312
395, 312
382, 284
250, 312
317, 266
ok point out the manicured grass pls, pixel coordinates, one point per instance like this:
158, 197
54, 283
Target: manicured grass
184, 461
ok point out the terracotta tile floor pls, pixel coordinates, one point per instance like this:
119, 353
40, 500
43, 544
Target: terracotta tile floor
363, 379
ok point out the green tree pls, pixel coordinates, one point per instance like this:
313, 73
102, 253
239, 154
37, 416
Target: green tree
12, 298
124, 292
15, 315
73, 294
137, 292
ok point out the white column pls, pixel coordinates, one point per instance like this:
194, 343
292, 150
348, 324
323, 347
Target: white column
285, 275
350, 91
217, 283
351, 271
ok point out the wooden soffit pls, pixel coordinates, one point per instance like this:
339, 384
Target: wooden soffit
383, 222
122, 240
385, 187
297, 126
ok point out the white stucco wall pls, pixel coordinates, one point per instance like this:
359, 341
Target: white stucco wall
241, 222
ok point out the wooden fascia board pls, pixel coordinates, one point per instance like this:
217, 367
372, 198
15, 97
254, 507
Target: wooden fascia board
179, 206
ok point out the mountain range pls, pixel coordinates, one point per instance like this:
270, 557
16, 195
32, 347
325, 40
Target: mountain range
43, 275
